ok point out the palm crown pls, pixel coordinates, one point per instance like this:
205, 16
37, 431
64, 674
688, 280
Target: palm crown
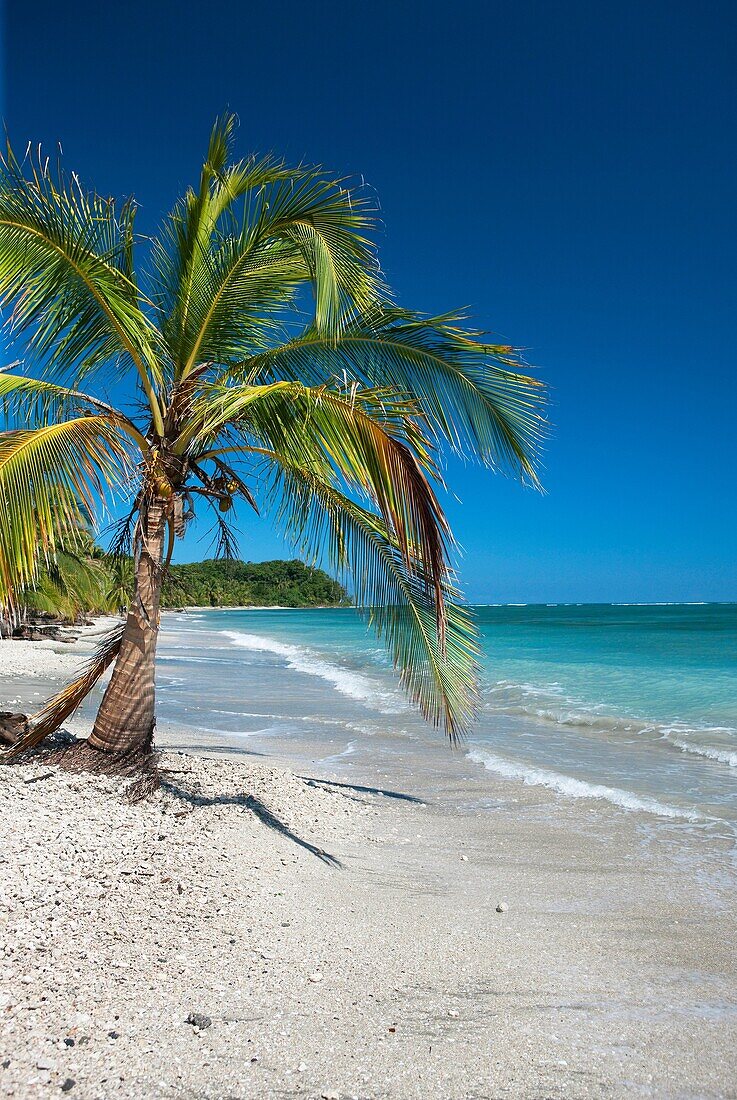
327, 409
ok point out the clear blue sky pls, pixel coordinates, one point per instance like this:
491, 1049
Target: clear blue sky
568, 171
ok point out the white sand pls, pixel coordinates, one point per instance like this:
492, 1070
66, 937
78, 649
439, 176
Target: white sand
611, 974
52, 660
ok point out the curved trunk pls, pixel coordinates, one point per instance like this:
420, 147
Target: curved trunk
125, 720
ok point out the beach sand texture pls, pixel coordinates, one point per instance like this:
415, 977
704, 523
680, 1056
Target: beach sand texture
374, 966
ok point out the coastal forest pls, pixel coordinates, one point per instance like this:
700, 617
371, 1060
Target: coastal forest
83, 580
216, 583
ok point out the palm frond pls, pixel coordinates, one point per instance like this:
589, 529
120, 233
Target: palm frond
329, 223
192, 257
52, 479
35, 400
57, 709
236, 180
367, 439
476, 395
121, 582
69, 585
232, 254
238, 301
65, 272
437, 669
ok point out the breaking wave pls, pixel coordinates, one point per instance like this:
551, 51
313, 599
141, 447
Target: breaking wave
356, 685
548, 704
577, 788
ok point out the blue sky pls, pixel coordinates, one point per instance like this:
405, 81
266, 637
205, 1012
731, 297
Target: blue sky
566, 171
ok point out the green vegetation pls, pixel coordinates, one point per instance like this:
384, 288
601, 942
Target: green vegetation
75, 585
69, 588
259, 358
237, 583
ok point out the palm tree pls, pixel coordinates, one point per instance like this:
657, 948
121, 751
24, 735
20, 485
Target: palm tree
265, 362
120, 583
73, 583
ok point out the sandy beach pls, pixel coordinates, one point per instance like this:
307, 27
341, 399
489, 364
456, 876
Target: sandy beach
334, 939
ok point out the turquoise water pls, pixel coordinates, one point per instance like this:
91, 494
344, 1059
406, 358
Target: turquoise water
632, 705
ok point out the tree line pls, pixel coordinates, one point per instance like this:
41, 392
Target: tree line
84, 581
214, 583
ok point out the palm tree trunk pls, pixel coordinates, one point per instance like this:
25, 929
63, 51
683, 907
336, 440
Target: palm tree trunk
125, 720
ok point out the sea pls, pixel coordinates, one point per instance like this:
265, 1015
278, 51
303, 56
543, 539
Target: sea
631, 706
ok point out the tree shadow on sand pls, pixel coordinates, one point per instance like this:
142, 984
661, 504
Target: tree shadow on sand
191, 747
259, 809
311, 782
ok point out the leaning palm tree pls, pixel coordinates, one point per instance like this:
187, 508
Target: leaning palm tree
261, 359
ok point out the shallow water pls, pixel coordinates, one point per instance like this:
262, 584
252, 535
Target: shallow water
631, 705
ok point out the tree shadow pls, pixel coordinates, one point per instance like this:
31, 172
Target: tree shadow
312, 782
196, 748
266, 816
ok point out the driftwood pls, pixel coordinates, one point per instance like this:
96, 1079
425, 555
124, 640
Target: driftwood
12, 727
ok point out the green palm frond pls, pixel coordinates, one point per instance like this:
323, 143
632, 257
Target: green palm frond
52, 481
69, 585
65, 271
329, 223
369, 440
476, 395
121, 582
236, 306
235, 180
193, 263
437, 668
36, 400
232, 254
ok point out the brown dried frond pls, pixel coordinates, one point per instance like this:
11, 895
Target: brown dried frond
57, 709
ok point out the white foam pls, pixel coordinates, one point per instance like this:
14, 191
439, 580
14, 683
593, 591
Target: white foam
576, 788
710, 752
349, 750
345, 680
189, 659
267, 731
547, 703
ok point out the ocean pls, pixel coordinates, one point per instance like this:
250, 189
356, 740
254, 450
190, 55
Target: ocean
630, 705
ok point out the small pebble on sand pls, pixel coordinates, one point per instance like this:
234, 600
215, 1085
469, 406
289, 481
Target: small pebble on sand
198, 1019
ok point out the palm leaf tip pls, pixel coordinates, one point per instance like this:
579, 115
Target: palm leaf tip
221, 141
438, 671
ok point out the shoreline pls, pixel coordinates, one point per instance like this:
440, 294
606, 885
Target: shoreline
610, 973
255, 607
